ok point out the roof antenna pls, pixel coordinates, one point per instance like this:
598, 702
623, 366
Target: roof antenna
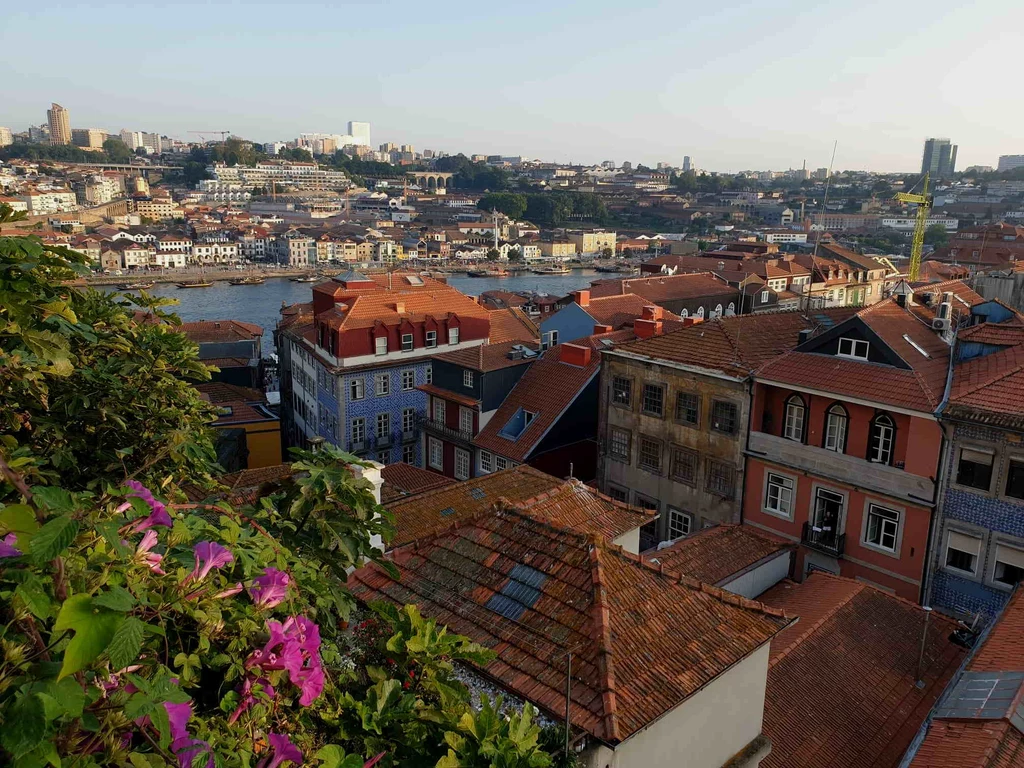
570, 470
924, 639
824, 202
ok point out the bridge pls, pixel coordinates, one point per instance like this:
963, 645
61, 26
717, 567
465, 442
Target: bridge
430, 179
124, 166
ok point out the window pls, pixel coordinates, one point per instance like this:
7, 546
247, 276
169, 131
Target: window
1009, 566
622, 391
549, 339
684, 465
618, 444
724, 416
407, 342
436, 453
650, 454
358, 428
679, 524
651, 505
619, 494
717, 312
688, 408
764, 297
485, 461
384, 457
974, 469
700, 312
883, 527
500, 463
408, 380
461, 464
882, 433
429, 374
856, 348
431, 340
684, 314
439, 410
355, 389
778, 495
653, 403
453, 335
828, 510
835, 429
720, 478
382, 384
409, 454
381, 345
962, 552
408, 419
467, 379
466, 420
383, 425
794, 426
1015, 477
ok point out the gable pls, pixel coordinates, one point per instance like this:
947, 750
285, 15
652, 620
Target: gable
828, 343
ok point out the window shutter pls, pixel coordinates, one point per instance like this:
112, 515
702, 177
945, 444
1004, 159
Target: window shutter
1010, 556
965, 543
977, 457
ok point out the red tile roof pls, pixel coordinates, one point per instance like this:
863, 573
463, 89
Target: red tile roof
714, 555
512, 324
487, 357
642, 641
616, 311
576, 506
547, 389
220, 330
402, 480
220, 392
657, 288
842, 686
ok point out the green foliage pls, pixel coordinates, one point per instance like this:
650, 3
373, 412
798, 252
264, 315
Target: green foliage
487, 737
61, 153
556, 209
936, 235
470, 175
512, 204
117, 151
493, 254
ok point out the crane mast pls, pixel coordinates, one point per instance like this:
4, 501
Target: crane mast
924, 207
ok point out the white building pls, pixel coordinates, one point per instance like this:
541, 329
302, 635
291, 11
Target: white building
785, 236
224, 191
1006, 162
6, 138
170, 259
274, 147
907, 223
132, 139
304, 176
41, 202
360, 133
214, 253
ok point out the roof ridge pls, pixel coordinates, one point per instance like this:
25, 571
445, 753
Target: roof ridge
814, 627
601, 618
997, 377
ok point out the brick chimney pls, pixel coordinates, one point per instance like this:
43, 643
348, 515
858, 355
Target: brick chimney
573, 354
582, 297
598, 329
692, 320
653, 312
646, 328
400, 307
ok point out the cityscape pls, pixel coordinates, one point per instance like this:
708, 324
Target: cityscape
320, 449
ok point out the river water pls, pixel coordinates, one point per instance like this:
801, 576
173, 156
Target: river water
261, 304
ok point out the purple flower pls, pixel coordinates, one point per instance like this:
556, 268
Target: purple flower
183, 746
151, 559
293, 646
305, 631
7, 548
209, 555
248, 695
310, 682
158, 512
178, 715
228, 592
270, 589
283, 751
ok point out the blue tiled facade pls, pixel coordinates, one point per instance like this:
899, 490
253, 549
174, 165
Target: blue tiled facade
988, 517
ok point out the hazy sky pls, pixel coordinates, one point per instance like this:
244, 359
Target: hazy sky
736, 85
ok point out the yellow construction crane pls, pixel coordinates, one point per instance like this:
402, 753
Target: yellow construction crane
924, 207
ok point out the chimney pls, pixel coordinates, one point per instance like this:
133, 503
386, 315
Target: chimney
805, 335
598, 329
646, 328
582, 297
652, 312
573, 354
400, 307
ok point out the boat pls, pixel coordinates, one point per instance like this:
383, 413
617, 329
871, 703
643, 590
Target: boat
144, 286
616, 268
195, 284
559, 269
304, 279
249, 280
487, 273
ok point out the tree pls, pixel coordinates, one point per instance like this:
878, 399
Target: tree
607, 253
117, 151
511, 204
493, 254
936, 235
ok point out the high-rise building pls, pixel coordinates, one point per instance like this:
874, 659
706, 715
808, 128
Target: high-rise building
627, 166
687, 163
60, 124
132, 139
939, 158
360, 133
6, 138
1006, 162
88, 138
39, 134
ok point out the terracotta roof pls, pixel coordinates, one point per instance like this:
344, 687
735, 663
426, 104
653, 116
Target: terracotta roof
993, 383
219, 392
220, 330
577, 506
487, 357
713, 555
616, 311
227, 362
845, 254
997, 334
842, 682
547, 389
664, 287
402, 480
432, 510
737, 345
512, 324
643, 641
992, 739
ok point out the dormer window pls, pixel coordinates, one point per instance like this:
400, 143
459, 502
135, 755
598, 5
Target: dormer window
381, 345
407, 342
453, 335
855, 348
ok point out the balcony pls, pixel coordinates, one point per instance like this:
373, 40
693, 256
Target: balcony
410, 436
829, 542
356, 446
383, 441
843, 468
443, 430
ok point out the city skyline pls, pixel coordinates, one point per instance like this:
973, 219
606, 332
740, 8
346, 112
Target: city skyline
651, 84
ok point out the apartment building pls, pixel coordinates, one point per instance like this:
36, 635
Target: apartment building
213, 253
43, 201
591, 242
158, 208
296, 175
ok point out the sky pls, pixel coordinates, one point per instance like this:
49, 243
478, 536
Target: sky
736, 86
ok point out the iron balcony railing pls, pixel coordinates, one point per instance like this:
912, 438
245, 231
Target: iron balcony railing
442, 429
828, 541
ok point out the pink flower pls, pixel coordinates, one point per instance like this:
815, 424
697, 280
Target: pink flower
283, 751
158, 512
183, 746
151, 559
305, 631
293, 646
178, 715
310, 682
249, 696
7, 548
270, 589
229, 591
209, 555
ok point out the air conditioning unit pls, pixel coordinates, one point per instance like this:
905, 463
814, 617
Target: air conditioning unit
940, 324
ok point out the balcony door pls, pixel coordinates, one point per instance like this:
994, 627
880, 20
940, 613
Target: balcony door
827, 513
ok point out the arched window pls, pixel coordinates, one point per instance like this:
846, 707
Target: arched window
883, 438
836, 422
700, 312
718, 311
793, 428
684, 314
731, 309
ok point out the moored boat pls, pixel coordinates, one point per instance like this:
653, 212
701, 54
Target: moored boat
143, 286
195, 284
250, 280
558, 269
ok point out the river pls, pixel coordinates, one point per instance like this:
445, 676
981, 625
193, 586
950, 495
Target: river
261, 304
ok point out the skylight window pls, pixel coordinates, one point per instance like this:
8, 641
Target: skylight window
519, 594
477, 493
447, 512
516, 425
915, 345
